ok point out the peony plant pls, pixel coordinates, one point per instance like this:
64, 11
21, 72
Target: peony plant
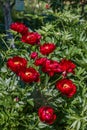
40, 86
42, 64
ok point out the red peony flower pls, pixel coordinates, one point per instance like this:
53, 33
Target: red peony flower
67, 66
46, 114
47, 6
29, 75
47, 48
31, 38
16, 64
16, 99
34, 55
19, 27
66, 87
51, 67
40, 61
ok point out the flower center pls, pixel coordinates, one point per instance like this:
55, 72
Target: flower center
65, 86
28, 73
28, 37
46, 47
17, 62
47, 112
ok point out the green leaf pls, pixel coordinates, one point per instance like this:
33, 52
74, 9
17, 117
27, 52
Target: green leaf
78, 125
42, 125
31, 102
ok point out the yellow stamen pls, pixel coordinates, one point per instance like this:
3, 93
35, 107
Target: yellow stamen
17, 62
28, 73
65, 86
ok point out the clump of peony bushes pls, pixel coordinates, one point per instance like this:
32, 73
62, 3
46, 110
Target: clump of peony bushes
41, 88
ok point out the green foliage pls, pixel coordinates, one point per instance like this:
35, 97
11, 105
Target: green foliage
70, 35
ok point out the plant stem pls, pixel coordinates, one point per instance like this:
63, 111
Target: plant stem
5, 44
35, 125
54, 81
